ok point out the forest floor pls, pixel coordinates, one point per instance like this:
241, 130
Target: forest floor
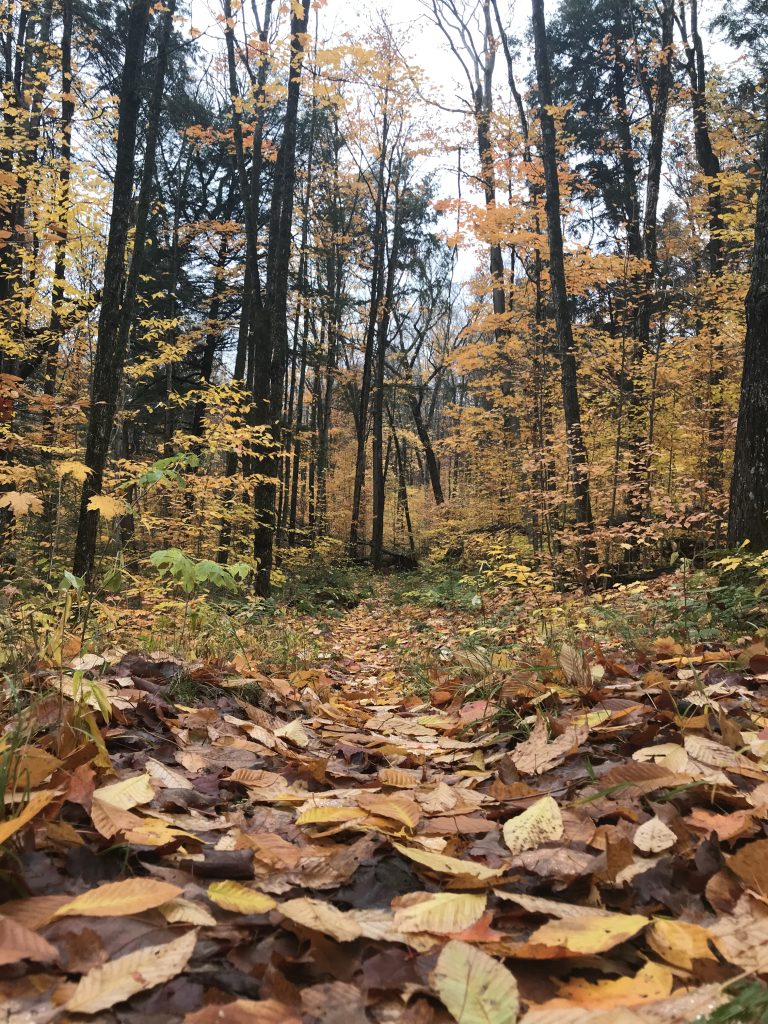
431, 807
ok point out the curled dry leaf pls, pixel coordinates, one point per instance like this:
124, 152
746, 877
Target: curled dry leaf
445, 865
679, 943
538, 754
539, 823
475, 988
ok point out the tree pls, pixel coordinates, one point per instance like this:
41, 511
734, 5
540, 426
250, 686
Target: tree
577, 453
112, 335
748, 510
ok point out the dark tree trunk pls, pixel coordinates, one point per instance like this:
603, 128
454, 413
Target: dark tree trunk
377, 289
433, 467
377, 453
270, 342
748, 519
112, 339
577, 453
709, 164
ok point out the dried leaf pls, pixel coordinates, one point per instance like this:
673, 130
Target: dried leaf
125, 795
587, 935
20, 943
322, 917
475, 988
120, 979
239, 899
443, 913
245, 1011
537, 754
448, 865
539, 823
36, 803
119, 899
653, 836
679, 943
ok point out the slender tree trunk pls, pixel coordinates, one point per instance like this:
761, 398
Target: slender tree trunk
270, 344
577, 453
433, 466
382, 342
748, 518
60, 263
377, 289
113, 332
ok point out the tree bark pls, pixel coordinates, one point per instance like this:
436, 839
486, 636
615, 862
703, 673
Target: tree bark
111, 343
577, 453
748, 514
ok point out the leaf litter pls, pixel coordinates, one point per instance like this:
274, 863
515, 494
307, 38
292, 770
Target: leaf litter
350, 851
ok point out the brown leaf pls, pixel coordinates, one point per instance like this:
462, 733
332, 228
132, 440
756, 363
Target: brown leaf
20, 943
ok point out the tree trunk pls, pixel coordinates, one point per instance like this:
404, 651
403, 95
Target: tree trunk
577, 453
112, 340
270, 342
748, 518
433, 467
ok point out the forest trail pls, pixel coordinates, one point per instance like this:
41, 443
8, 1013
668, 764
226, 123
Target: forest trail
562, 843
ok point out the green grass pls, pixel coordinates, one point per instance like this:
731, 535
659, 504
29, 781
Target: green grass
748, 1005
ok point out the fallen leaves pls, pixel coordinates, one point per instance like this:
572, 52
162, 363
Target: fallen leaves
348, 852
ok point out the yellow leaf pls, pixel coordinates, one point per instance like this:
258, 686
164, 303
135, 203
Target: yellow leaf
132, 792
108, 507
21, 503
239, 899
399, 778
443, 913
475, 988
540, 823
654, 981
76, 470
181, 911
445, 865
322, 917
120, 979
590, 933
119, 899
35, 804
679, 943
327, 814
398, 806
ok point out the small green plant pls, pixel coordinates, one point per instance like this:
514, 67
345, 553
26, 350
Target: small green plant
748, 1005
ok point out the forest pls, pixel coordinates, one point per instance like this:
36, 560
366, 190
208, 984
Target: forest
384, 511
